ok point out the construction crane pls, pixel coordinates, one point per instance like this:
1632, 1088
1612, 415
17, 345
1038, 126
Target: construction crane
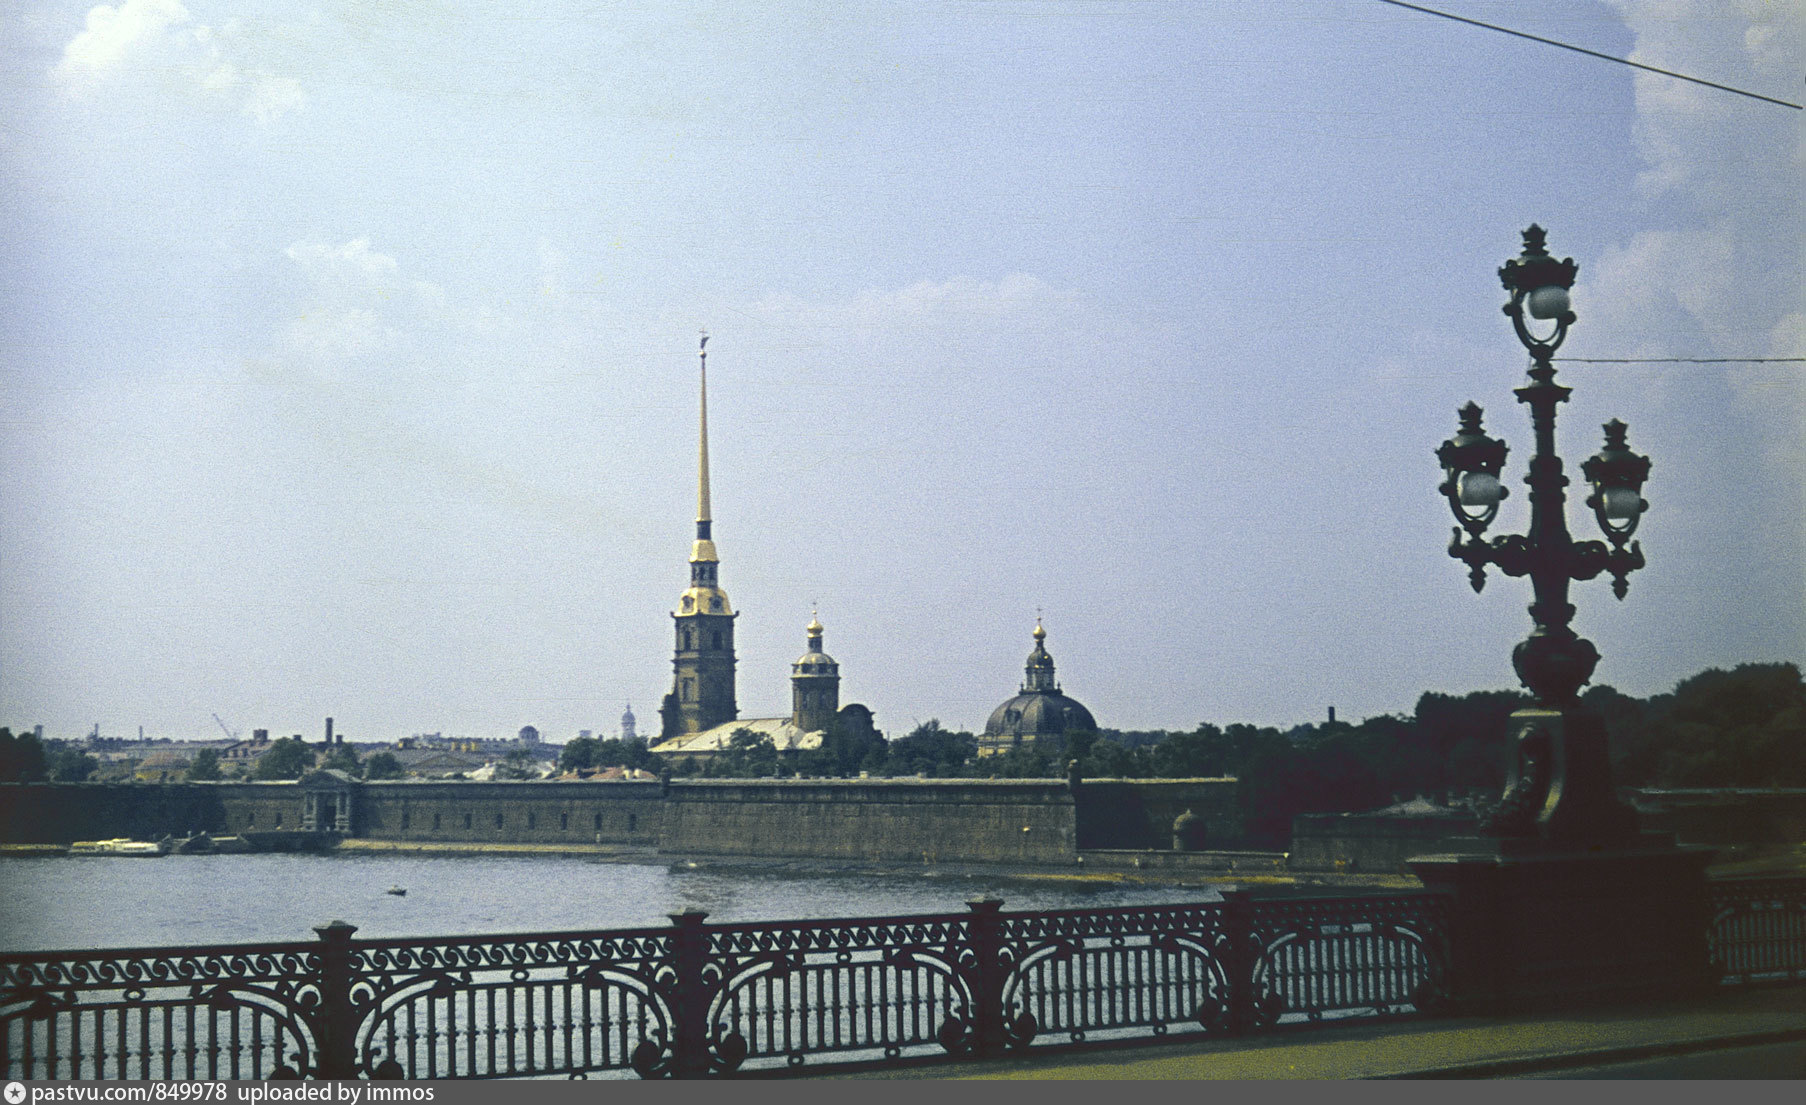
228, 730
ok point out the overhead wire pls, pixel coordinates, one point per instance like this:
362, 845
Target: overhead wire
1685, 360
1590, 53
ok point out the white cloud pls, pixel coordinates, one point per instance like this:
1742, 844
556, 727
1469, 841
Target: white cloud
354, 262
958, 298
359, 304
159, 42
1723, 263
136, 26
1788, 338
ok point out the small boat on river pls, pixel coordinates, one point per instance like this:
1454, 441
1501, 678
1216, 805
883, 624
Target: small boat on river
118, 846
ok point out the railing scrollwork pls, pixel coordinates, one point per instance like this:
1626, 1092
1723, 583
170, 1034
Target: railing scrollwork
696, 1000
1757, 931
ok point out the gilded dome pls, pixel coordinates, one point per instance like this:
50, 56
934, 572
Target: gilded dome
815, 661
1040, 714
1040, 710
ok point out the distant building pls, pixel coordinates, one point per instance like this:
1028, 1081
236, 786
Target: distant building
437, 763
248, 752
628, 723
815, 708
163, 764
529, 735
1039, 711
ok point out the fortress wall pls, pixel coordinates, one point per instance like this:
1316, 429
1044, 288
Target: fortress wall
1724, 816
948, 820
904, 820
1374, 843
1139, 813
60, 813
624, 813
256, 808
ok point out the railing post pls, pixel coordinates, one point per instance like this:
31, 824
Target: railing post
337, 1056
988, 980
1238, 934
689, 1001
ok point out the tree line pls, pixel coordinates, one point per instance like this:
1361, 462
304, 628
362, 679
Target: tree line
1745, 727
1740, 728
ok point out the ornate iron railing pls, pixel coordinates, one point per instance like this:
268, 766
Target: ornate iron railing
244, 1012
1758, 930
508, 1006
696, 1000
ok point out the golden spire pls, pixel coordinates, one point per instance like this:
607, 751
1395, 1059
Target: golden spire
702, 447
703, 550
704, 595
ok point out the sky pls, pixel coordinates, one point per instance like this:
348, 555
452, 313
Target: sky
348, 350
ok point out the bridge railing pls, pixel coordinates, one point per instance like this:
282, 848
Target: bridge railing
695, 1000
1758, 930
241, 1012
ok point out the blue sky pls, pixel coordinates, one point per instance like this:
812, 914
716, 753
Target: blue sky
350, 350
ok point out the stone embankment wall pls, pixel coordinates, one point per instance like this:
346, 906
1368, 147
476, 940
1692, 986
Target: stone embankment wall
1725, 817
59, 813
1373, 843
1381, 843
941, 820
616, 812
1139, 813
912, 820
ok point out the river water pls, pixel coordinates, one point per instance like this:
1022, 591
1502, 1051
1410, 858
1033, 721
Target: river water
86, 902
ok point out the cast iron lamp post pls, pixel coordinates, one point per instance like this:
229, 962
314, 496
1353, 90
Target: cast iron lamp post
1559, 785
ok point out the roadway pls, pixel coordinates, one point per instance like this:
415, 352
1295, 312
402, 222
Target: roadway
1756, 1032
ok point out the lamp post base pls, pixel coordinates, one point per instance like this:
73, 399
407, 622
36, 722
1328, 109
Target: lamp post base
1538, 926
1558, 788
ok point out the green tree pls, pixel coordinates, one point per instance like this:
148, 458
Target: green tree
1276, 784
70, 765
1745, 727
1107, 759
285, 759
579, 754
383, 765
846, 749
584, 753
205, 766
343, 758
1465, 735
748, 755
514, 765
614, 752
932, 750
1203, 753
22, 758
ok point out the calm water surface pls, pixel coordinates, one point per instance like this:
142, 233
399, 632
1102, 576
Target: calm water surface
69, 902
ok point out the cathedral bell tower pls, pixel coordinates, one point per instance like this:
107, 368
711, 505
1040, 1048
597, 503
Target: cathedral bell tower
702, 688
814, 685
